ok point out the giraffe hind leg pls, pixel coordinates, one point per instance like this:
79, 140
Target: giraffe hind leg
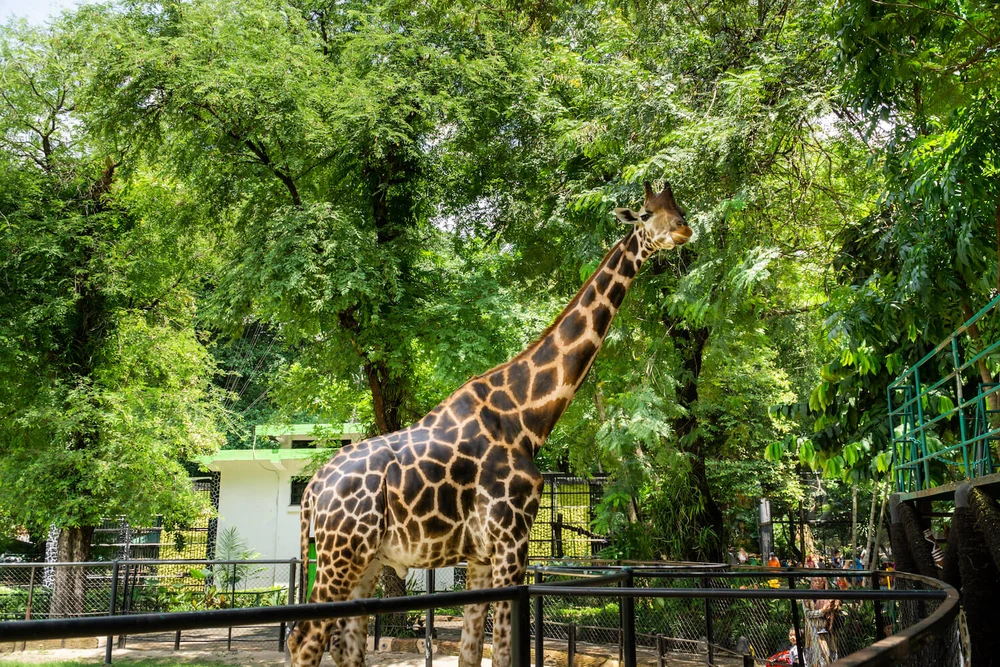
509, 567
307, 643
478, 576
355, 630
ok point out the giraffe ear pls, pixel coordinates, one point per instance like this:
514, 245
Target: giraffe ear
668, 195
626, 216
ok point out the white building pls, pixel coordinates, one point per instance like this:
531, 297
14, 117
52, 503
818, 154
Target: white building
260, 488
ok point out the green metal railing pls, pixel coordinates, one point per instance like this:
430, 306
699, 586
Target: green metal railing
927, 450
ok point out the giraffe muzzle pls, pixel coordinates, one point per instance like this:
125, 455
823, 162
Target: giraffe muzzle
681, 235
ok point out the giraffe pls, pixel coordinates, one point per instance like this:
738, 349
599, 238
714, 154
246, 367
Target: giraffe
461, 483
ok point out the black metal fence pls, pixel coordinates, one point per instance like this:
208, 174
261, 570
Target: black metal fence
648, 613
117, 538
562, 527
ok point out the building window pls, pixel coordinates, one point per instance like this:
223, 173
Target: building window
298, 488
311, 444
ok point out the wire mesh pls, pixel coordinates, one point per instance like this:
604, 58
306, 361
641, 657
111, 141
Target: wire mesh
562, 527
41, 591
686, 629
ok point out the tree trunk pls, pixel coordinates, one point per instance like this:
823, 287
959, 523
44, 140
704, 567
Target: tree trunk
692, 343
70, 587
387, 398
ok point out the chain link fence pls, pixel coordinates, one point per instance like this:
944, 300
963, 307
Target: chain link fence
63, 590
667, 629
756, 630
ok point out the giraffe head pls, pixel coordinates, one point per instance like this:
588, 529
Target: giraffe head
660, 218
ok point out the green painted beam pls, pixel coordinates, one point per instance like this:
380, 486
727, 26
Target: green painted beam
278, 430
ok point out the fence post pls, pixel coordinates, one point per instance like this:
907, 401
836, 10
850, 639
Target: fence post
539, 624
429, 625
879, 622
709, 634
795, 621
232, 605
661, 651
570, 644
557, 531
111, 612
552, 514
291, 600
628, 620
520, 635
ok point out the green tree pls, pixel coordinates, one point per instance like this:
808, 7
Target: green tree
919, 87
735, 106
105, 386
337, 142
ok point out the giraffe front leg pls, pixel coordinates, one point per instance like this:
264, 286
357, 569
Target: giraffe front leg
478, 576
509, 567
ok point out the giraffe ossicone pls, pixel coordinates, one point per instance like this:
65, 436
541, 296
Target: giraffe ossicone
461, 484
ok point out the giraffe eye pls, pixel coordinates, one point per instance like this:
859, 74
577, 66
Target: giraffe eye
646, 216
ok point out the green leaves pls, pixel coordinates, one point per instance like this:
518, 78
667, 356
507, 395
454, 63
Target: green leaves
105, 383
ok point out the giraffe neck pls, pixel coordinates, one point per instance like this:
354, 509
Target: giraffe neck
521, 401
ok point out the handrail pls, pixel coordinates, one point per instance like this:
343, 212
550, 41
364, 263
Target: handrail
958, 332
18, 631
884, 652
741, 594
908, 641
149, 561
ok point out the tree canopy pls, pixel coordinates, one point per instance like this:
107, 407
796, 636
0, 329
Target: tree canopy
216, 214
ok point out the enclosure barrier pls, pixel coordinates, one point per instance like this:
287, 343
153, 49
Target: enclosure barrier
920, 397
918, 626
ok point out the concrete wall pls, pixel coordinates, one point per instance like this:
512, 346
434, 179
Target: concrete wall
254, 497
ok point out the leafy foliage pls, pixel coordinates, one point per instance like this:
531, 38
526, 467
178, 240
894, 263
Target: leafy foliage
221, 214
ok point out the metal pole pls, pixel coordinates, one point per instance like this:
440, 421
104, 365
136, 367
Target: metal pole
539, 624
802, 533
177, 641
628, 620
282, 630
520, 636
552, 514
795, 621
879, 623
661, 651
111, 612
961, 411
570, 644
921, 480
708, 626
31, 594
429, 625
126, 578
232, 605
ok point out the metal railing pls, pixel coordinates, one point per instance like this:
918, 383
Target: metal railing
922, 460
911, 627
